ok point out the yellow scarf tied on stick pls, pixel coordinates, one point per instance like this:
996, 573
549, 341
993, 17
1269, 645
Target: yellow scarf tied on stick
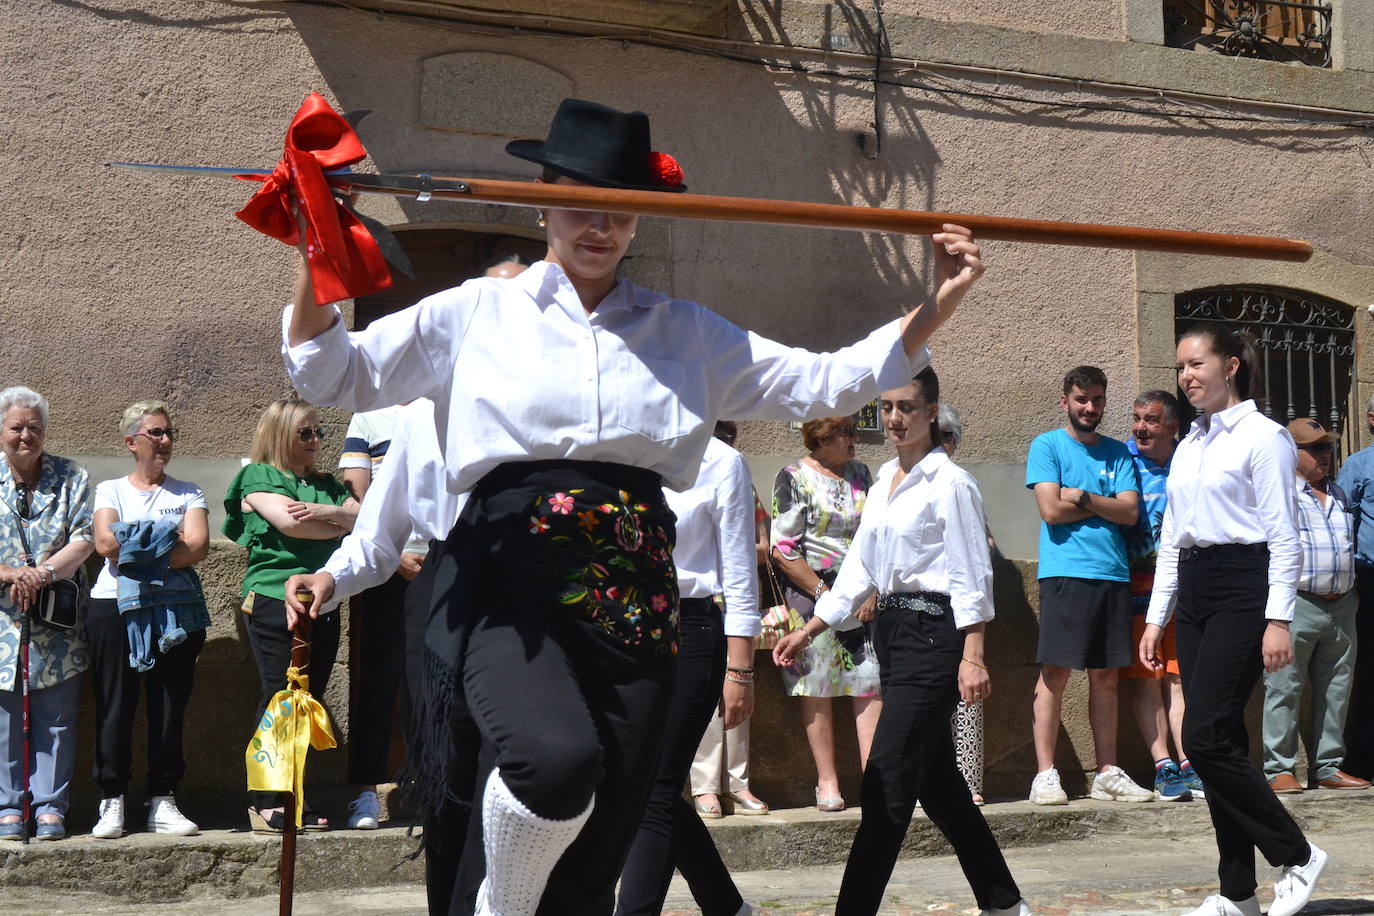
293, 722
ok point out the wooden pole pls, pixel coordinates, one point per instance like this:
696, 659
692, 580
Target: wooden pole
828, 216
300, 660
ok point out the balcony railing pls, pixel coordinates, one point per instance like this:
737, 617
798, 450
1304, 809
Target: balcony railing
1281, 30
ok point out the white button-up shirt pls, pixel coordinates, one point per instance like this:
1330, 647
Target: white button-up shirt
406, 500
715, 538
1231, 482
928, 536
520, 371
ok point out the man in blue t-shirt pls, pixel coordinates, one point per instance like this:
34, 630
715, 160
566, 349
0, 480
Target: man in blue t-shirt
1088, 493
1156, 695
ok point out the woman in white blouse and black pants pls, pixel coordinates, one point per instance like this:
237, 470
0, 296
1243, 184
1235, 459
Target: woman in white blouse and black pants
1229, 560
566, 399
921, 546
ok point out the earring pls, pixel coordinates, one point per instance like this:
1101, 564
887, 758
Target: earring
542, 222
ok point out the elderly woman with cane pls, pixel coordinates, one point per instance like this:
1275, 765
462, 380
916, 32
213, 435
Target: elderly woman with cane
576, 397
45, 537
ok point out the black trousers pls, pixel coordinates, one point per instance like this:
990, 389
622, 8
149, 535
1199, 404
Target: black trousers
270, 642
1221, 596
1359, 737
167, 687
565, 717
913, 758
670, 833
380, 671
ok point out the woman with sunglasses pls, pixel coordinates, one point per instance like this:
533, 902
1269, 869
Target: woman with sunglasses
148, 494
567, 399
291, 517
45, 535
817, 503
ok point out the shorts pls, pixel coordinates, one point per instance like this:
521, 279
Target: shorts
1167, 652
1085, 623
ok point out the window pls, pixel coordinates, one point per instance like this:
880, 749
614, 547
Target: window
1306, 343
1281, 30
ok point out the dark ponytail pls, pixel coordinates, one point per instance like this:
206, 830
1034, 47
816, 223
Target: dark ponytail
929, 383
1227, 344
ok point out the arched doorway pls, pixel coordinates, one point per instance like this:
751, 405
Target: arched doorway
442, 258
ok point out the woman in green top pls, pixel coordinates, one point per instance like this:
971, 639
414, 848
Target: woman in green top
291, 517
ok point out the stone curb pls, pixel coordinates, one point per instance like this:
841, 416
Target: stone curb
143, 868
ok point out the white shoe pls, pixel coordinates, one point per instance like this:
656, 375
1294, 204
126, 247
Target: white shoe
745, 910
1296, 884
366, 812
1046, 790
1022, 908
1225, 906
1112, 784
163, 817
111, 823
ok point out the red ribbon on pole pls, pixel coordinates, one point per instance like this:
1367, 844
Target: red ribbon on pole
344, 259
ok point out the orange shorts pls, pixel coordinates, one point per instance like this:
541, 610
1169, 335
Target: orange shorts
1168, 651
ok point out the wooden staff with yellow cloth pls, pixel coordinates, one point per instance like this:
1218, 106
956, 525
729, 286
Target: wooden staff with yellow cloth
293, 723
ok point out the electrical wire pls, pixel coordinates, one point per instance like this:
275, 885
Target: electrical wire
1214, 107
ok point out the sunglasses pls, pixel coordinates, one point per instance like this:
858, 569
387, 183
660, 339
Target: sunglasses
22, 500
1319, 448
159, 433
311, 434
947, 435
846, 433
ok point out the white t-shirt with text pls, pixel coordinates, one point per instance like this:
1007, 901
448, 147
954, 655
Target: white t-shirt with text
169, 501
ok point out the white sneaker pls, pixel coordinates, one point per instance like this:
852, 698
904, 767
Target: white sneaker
163, 817
1046, 790
111, 823
1022, 908
366, 812
1225, 906
1112, 784
745, 910
1296, 884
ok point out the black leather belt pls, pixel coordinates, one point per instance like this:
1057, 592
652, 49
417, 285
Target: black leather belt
1193, 554
935, 604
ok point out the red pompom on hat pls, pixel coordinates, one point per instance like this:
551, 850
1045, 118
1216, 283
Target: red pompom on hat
665, 170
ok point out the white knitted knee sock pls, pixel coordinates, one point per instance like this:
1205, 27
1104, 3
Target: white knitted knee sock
522, 849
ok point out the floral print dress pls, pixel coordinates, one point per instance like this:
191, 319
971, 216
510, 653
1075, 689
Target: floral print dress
815, 517
60, 512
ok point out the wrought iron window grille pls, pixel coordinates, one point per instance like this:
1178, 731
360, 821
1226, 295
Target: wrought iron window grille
1283, 30
1306, 344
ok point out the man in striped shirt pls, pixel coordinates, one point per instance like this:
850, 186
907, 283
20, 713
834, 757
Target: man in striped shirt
1323, 628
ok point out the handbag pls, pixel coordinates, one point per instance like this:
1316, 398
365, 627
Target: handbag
778, 618
62, 601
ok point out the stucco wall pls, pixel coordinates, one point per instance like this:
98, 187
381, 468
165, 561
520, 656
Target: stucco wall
116, 286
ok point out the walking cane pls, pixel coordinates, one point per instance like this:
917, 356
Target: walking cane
26, 796
300, 660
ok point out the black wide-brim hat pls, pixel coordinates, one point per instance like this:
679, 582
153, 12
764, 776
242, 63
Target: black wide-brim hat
599, 146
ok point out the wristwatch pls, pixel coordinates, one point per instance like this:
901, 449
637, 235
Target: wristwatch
52, 572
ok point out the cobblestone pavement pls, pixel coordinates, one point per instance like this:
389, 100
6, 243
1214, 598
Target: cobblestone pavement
1102, 876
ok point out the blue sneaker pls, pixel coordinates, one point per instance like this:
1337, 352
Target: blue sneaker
1169, 784
11, 831
1191, 780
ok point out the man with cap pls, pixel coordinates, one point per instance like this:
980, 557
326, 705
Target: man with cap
1323, 627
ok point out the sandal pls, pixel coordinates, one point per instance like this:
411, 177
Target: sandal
275, 823
707, 812
267, 824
